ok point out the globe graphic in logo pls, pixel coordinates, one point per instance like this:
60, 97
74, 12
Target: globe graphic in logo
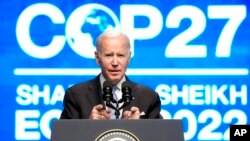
97, 22
85, 24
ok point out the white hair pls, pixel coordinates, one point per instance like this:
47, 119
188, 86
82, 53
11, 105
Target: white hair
110, 34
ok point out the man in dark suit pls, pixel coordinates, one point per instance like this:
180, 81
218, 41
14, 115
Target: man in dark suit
84, 100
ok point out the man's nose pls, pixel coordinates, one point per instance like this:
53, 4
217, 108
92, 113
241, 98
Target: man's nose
114, 61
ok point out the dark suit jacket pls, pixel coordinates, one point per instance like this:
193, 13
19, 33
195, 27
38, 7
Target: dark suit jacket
81, 98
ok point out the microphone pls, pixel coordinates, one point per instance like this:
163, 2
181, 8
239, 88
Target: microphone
107, 92
126, 92
108, 97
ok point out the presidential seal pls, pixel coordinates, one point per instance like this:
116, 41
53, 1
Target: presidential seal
117, 135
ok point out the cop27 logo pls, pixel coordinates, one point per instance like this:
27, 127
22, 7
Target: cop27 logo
87, 21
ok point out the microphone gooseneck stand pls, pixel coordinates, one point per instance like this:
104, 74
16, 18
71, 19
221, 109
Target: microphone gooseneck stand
116, 108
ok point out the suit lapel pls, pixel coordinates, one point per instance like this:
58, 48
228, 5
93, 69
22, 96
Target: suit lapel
96, 89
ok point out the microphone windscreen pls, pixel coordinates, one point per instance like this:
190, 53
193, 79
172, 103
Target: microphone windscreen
107, 92
126, 84
126, 92
107, 84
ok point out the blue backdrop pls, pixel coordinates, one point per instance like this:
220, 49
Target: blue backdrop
194, 53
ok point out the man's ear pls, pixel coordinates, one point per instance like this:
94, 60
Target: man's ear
129, 56
97, 59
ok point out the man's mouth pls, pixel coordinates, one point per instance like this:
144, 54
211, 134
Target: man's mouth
114, 71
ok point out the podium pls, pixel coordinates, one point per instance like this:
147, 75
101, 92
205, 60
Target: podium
117, 130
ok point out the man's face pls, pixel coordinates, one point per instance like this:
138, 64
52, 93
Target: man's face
113, 58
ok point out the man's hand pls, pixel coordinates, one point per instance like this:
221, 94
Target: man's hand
134, 113
98, 112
